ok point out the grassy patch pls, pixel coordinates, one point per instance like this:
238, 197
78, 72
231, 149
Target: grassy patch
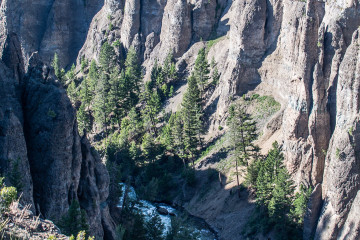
211, 43
265, 106
217, 145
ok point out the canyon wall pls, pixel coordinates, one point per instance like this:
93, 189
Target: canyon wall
304, 53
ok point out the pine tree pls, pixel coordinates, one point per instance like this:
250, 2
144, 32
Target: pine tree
133, 77
135, 124
72, 92
93, 77
84, 63
56, 65
151, 110
167, 137
154, 227
178, 136
215, 77
85, 94
71, 75
171, 91
107, 58
139, 231
169, 69
242, 136
201, 70
74, 221
15, 175
134, 151
116, 95
148, 147
267, 175
84, 118
101, 106
280, 203
192, 114
300, 204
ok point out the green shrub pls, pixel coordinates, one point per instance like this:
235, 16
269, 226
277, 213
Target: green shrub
8, 195
337, 153
51, 113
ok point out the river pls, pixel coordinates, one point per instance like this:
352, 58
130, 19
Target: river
148, 208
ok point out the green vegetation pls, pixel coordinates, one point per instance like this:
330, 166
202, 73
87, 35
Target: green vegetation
201, 71
265, 106
74, 221
211, 43
7, 196
278, 208
59, 72
338, 153
242, 135
15, 175
51, 113
156, 151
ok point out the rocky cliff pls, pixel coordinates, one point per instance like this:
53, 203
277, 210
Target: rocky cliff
39, 130
304, 53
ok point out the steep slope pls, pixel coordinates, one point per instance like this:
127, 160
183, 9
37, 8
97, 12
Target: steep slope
291, 50
304, 53
38, 126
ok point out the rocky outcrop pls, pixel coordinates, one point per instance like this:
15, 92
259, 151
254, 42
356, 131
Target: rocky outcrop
23, 224
48, 26
304, 53
39, 130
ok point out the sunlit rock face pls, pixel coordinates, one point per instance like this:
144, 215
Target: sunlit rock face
304, 53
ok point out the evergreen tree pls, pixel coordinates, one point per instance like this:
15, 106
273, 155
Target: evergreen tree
215, 77
116, 95
93, 77
154, 227
133, 77
134, 151
139, 231
167, 137
84, 118
107, 58
85, 94
178, 137
115, 178
101, 106
242, 136
148, 147
300, 204
56, 65
72, 92
180, 231
267, 175
171, 91
74, 221
84, 63
151, 110
15, 175
201, 70
192, 113
280, 203
135, 124
71, 75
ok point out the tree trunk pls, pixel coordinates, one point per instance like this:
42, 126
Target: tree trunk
237, 177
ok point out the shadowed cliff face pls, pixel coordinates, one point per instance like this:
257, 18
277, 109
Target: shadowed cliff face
305, 54
38, 127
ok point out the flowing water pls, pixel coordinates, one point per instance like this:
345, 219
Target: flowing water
148, 208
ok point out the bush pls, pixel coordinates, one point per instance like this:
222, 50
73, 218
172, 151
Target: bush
8, 195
